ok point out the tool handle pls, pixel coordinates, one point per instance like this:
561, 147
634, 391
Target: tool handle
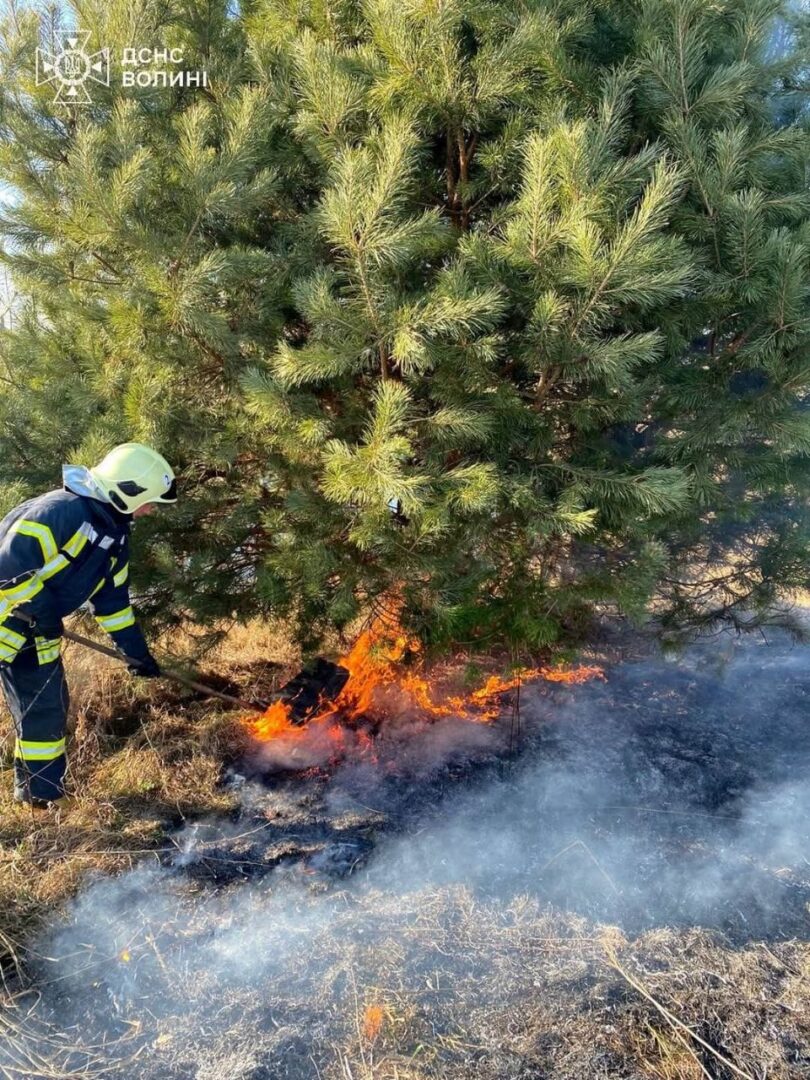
175, 676
168, 673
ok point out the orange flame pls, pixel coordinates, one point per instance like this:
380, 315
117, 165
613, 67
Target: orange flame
372, 1021
372, 663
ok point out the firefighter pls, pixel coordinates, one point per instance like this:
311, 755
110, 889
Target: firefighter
58, 551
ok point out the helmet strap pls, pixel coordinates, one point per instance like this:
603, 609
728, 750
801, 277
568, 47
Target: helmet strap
118, 502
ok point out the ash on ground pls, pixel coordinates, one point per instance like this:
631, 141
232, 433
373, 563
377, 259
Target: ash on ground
436, 906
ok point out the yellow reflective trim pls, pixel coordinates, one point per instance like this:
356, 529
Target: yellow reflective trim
30, 750
10, 644
48, 649
53, 567
76, 543
119, 620
99, 586
41, 533
122, 575
22, 592
11, 637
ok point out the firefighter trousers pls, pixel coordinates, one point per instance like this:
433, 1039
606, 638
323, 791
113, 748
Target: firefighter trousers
36, 692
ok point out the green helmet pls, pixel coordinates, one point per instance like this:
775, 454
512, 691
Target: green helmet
132, 475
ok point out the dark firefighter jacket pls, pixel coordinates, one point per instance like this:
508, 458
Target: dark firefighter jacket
58, 551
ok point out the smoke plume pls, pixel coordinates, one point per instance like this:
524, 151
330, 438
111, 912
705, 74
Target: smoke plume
675, 794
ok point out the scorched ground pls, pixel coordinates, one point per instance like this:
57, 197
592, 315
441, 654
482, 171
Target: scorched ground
624, 895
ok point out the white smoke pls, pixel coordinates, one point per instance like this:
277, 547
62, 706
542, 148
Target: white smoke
672, 794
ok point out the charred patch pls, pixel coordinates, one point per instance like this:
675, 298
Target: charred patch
494, 914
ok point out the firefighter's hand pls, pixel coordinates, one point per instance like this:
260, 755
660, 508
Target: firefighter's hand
148, 668
49, 628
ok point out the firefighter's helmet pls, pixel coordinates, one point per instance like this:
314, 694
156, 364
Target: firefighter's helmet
132, 475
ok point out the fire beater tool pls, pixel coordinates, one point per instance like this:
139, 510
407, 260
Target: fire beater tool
318, 683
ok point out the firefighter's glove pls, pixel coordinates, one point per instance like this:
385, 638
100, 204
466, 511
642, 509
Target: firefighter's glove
49, 628
148, 668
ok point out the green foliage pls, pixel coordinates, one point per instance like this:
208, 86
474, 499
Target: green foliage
503, 305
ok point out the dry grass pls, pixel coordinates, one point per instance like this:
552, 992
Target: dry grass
141, 756
423, 985
474, 989
440, 983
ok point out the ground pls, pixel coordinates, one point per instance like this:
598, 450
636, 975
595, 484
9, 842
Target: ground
619, 889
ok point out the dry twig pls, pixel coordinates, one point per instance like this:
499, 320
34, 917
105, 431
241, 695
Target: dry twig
676, 1024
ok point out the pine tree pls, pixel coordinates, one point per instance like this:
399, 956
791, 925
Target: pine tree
499, 306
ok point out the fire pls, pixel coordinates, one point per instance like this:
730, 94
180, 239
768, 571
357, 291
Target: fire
273, 722
370, 663
373, 663
372, 1021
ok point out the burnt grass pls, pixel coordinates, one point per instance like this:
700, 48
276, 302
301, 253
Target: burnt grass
539, 903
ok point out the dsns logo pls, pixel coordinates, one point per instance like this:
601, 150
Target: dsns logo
72, 67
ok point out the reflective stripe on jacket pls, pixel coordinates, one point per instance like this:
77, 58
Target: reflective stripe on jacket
58, 551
